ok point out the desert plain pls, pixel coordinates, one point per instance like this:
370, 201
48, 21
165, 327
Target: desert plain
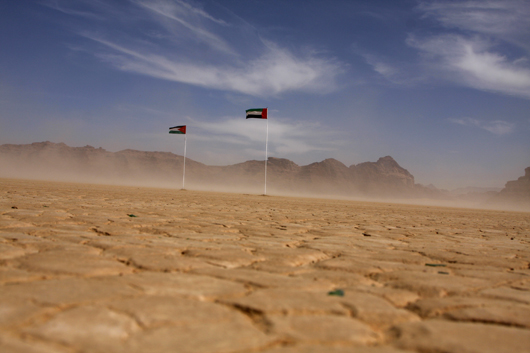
95, 268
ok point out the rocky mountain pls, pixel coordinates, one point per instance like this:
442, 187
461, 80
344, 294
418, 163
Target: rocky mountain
57, 161
516, 191
384, 177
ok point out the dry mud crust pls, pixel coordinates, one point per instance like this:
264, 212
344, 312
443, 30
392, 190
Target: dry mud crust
92, 268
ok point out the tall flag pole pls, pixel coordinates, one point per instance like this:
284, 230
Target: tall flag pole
184, 165
181, 130
261, 113
266, 153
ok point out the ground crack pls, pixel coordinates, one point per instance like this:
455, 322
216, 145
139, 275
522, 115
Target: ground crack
257, 317
100, 232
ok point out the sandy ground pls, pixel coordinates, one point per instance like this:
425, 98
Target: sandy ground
88, 268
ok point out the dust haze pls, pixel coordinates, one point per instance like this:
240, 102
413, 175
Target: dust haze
381, 181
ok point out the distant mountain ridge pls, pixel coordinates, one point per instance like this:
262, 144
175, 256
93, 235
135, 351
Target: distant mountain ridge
48, 160
381, 179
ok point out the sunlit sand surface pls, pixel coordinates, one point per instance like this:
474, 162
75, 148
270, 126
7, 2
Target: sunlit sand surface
91, 268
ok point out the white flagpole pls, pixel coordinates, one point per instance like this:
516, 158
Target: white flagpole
266, 152
184, 166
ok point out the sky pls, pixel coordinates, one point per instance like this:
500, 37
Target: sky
441, 86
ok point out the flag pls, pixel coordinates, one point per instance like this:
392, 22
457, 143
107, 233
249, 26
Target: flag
258, 113
181, 129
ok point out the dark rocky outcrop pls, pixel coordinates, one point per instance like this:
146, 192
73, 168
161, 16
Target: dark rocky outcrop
383, 176
516, 191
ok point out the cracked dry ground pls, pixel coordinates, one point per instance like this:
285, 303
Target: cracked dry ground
213, 272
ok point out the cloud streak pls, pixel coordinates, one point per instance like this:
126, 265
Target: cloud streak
392, 72
193, 47
190, 18
276, 72
56, 5
473, 63
492, 17
497, 127
285, 138
483, 45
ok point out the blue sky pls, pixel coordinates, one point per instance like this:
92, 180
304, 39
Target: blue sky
441, 86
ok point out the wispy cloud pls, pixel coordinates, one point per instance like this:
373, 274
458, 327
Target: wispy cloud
482, 16
485, 44
473, 62
275, 72
57, 5
395, 73
180, 7
189, 17
194, 47
497, 127
286, 137
382, 68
